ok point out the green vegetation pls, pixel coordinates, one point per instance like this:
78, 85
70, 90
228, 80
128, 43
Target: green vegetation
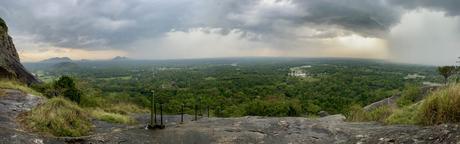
358, 114
442, 106
260, 87
409, 95
447, 71
8, 84
60, 117
405, 115
274, 106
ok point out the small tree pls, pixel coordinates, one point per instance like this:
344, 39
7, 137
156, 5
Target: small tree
446, 72
65, 86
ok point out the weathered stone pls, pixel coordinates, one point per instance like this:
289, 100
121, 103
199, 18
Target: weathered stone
10, 65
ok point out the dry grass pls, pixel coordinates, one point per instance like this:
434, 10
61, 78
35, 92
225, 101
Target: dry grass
7, 84
111, 117
59, 117
124, 108
442, 106
405, 115
358, 114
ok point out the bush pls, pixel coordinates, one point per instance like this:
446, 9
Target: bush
409, 96
442, 106
273, 107
358, 114
65, 86
59, 117
406, 115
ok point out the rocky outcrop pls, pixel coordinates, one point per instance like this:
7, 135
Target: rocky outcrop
10, 65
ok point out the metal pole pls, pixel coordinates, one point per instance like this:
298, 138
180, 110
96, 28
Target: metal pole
151, 109
207, 110
182, 114
155, 110
196, 112
161, 114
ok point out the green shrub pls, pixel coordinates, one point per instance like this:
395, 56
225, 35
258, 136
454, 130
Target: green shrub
406, 115
65, 86
358, 114
409, 96
442, 106
60, 117
273, 107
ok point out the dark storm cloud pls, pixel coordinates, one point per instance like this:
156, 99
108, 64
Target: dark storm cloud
99, 24
450, 7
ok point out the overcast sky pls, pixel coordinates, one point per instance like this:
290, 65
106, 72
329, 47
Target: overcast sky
412, 31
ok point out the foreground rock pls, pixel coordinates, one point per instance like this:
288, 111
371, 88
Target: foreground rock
12, 104
284, 130
325, 130
10, 65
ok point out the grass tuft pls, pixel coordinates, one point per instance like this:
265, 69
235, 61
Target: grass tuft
358, 114
405, 115
59, 117
111, 117
7, 84
442, 106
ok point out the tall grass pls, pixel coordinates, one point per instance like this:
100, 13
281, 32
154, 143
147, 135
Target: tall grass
409, 96
358, 114
111, 117
60, 117
8, 84
442, 106
405, 115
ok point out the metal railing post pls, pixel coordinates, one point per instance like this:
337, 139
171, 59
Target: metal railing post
161, 114
196, 112
207, 110
182, 114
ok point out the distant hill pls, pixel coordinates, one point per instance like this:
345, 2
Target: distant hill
120, 58
57, 60
65, 65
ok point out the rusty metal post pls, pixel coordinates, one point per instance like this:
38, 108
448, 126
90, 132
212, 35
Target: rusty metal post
196, 112
161, 114
207, 110
152, 107
182, 114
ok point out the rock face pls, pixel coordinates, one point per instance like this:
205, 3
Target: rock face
10, 65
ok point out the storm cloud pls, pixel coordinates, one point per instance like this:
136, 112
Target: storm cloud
307, 25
